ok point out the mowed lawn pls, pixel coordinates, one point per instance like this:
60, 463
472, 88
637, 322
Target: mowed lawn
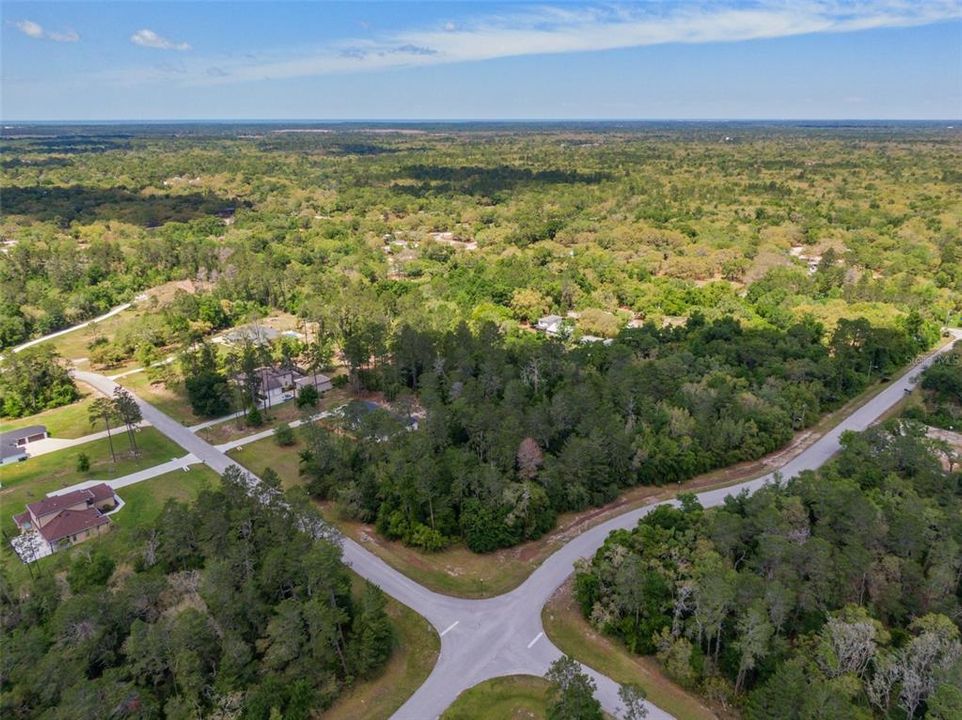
515, 697
574, 636
32, 479
266, 453
145, 500
170, 400
143, 505
68, 421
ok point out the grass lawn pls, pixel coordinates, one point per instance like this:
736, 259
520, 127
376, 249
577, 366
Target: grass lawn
574, 636
32, 479
68, 421
416, 651
172, 401
515, 697
266, 453
144, 502
285, 412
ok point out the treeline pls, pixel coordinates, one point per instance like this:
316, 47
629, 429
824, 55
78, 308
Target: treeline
34, 380
941, 403
835, 595
513, 430
227, 612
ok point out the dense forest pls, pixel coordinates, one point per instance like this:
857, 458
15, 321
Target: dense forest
222, 609
834, 595
514, 430
438, 225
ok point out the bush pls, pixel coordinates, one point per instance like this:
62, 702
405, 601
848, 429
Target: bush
90, 571
83, 462
254, 417
284, 435
307, 397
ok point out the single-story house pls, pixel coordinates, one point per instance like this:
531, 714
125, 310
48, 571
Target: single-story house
321, 382
256, 334
550, 324
13, 443
64, 520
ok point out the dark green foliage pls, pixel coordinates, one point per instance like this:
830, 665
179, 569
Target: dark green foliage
33, 380
229, 606
83, 462
572, 692
283, 434
517, 429
806, 599
206, 385
90, 571
307, 397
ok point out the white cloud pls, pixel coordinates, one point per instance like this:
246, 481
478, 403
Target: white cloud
564, 29
30, 28
36, 31
148, 38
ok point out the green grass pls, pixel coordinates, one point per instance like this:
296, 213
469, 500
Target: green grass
516, 697
416, 650
32, 479
69, 421
172, 401
265, 453
144, 502
574, 636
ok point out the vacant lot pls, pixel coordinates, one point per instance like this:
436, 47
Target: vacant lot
574, 636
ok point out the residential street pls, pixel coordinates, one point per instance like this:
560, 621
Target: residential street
482, 639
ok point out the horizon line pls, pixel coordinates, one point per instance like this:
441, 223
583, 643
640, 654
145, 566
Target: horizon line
333, 121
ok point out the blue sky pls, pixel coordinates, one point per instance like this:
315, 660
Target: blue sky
696, 59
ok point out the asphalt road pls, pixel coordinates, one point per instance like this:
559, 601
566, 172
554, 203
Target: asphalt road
483, 639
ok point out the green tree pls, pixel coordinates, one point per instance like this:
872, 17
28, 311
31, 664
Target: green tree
572, 692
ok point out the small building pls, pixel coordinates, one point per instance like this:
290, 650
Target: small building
14, 443
550, 324
256, 334
59, 521
321, 382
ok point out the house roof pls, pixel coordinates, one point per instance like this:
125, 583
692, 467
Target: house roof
8, 450
57, 503
70, 522
12, 437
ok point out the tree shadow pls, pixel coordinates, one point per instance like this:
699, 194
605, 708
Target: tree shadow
64, 205
488, 181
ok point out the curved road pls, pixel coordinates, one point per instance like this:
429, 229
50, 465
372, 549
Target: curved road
483, 639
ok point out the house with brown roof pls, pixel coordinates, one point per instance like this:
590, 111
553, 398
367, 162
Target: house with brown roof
60, 521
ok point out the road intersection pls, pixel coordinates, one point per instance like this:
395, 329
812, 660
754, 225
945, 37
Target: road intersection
503, 635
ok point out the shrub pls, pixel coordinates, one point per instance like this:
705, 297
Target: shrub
83, 462
307, 397
284, 435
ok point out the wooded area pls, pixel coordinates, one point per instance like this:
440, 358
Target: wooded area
221, 609
834, 595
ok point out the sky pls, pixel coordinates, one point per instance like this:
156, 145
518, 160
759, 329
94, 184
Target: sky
658, 59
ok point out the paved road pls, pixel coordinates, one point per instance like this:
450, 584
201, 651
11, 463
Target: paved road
51, 336
483, 639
